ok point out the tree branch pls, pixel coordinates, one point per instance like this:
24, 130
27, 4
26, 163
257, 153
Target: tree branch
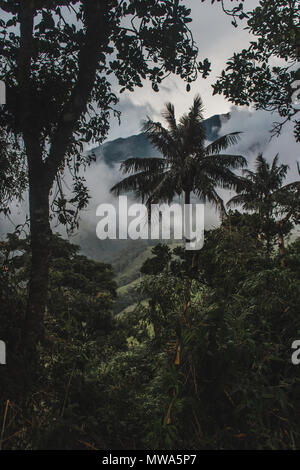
89, 58
26, 14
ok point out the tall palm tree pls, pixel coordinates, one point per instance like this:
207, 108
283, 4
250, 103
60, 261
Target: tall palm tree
258, 187
187, 166
262, 191
257, 190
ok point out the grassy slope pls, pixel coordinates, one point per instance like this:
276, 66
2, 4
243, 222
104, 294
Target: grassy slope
129, 278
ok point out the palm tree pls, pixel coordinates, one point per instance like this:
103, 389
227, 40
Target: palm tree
262, 191
187, 166
258, 186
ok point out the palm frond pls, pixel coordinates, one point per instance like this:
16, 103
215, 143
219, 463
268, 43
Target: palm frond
165, 190
222, 176
141, 183
274, 163
222, 143
160, 137
239, 200
295, 185
228, 161
196, 110
206, 193
143, 164
169, 116
191, 125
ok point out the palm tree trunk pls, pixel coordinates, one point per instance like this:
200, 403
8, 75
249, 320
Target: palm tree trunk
223, 212
220, 204
187, 197
281, 244
187, 218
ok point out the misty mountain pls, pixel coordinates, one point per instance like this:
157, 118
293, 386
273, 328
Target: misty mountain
126, 255
138, 146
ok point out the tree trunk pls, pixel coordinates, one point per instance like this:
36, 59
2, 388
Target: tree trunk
40, 231
220, 204
281, 245
223, 212
42, 171
187, 197
186, 218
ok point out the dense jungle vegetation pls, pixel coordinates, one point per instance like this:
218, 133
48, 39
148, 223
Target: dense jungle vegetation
123, 382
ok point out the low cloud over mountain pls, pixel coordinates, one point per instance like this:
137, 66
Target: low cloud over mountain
104, 172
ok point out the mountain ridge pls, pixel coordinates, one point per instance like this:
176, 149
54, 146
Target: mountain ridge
138, 145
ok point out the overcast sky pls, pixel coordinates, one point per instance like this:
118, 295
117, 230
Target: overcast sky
217, 39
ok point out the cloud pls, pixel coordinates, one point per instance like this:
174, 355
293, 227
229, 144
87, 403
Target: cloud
255, 125
19, 215
217, 40
256, 138
133, 111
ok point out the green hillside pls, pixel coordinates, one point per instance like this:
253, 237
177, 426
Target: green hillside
128, 277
